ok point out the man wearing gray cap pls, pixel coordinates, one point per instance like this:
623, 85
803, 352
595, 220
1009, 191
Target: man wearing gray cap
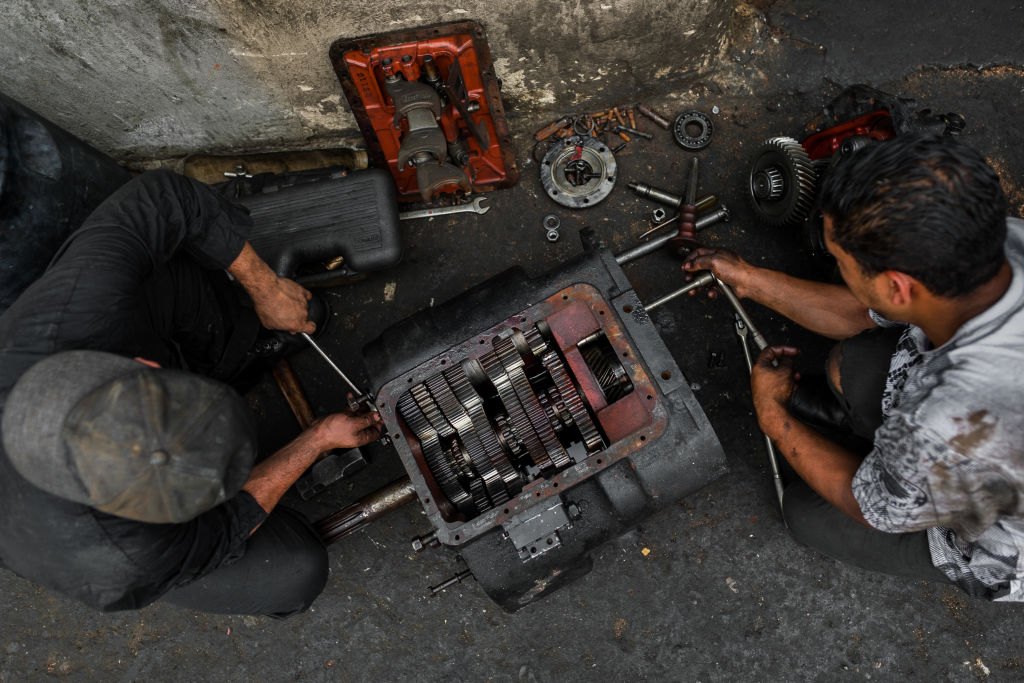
127, 470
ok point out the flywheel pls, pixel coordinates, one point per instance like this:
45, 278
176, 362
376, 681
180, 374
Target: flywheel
782, 182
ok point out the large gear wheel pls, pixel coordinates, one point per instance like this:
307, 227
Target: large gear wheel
782, 182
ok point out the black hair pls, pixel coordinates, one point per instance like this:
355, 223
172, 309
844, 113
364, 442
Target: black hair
920, 204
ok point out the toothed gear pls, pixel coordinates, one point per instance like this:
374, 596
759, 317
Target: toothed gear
518, 419
456, 413
434, 454
573, 402
474, 405
782, 161
513, 362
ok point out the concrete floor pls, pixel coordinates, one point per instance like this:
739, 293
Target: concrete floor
724, 593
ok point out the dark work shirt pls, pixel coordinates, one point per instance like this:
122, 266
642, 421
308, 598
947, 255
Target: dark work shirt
91, 297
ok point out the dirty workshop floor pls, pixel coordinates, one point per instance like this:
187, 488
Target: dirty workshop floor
710, 589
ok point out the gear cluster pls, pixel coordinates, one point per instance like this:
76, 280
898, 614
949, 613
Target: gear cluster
492, 423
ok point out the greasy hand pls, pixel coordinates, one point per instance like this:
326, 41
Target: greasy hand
281, 304
345, 430
726, 265
772, 386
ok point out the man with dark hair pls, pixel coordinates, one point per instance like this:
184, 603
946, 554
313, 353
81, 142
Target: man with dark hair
929, 371
127, 469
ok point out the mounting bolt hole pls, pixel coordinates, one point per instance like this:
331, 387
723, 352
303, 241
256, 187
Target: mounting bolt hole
550, 542
642, 438
666, 375
627, 309
533, 549
505, 511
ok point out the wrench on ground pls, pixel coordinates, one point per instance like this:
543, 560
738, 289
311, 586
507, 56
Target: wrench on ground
475, 206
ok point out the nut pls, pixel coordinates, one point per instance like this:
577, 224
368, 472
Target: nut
658, 215
552, 235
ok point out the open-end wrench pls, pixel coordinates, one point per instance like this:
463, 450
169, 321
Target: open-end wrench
475, 206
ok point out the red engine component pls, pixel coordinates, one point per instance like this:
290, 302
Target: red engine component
429, 106
877, 125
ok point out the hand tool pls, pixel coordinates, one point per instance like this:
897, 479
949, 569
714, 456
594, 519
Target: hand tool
355, 403
742, 313
475, 206
773, 459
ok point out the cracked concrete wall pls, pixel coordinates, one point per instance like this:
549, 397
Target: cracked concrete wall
156, 79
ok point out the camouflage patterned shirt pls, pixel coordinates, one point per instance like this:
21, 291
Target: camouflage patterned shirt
949, 455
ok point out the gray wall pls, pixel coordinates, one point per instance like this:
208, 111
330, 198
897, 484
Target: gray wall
157, 79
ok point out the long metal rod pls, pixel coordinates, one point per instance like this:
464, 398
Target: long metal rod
773, 458
652, 246
359, 514
702, 280
359, 393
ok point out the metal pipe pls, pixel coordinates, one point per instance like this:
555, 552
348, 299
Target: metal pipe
702, 280
359, 514
722, 214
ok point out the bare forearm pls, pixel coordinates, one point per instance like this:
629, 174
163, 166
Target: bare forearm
828, 309
824, 465
269, 480
252, 272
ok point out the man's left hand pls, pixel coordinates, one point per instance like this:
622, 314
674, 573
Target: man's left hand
772, 382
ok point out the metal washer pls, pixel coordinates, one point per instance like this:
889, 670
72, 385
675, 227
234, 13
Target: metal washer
693, 118
596, 155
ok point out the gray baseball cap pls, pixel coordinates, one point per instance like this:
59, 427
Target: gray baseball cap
149, 444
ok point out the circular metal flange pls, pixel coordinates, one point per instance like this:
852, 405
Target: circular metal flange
782, 182
699, 123
579, 173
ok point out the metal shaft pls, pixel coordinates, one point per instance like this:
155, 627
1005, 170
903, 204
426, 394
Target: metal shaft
357, 515
691, 190
458, 578
665, 197
341, 374
702, 280
773, 458
722, 214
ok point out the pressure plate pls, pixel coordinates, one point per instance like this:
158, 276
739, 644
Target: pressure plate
579, 173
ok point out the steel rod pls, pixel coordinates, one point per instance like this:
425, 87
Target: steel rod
702, 280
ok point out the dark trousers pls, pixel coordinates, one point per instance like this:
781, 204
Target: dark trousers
813, 521
205, 324
283, 570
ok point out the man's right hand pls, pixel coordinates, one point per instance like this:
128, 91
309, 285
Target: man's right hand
345, 430
726, 265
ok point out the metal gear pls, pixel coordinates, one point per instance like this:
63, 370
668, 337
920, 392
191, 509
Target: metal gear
782, 182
